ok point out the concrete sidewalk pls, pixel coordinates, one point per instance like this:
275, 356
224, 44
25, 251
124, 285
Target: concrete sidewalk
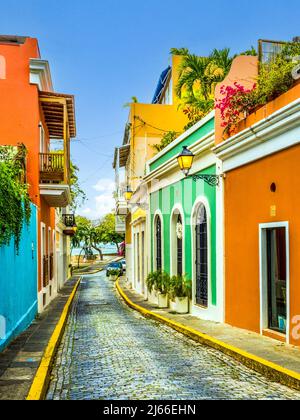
272, 351
20, 361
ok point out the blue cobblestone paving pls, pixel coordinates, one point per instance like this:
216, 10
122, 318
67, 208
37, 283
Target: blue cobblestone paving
111, 352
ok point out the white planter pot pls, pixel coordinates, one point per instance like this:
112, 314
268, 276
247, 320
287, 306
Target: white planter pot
163, 301
172, 306
153, 298
182, 305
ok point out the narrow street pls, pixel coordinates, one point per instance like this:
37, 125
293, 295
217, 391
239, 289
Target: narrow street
111, 352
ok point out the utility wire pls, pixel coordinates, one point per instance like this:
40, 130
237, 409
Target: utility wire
152, 126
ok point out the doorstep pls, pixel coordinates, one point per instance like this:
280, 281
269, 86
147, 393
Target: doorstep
268, 356
20, 361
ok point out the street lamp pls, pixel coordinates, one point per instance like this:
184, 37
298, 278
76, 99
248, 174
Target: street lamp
128, 193
185, 160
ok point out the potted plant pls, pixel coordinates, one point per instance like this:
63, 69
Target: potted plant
158, 287
162, 288
181, 291
114, 274
150, 282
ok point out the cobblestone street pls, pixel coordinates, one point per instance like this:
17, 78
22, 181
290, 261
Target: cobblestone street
111, 352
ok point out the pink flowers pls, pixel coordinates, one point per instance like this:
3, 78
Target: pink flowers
236, 103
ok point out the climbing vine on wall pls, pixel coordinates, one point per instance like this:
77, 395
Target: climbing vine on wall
15, 207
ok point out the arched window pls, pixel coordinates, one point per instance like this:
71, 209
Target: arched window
2, 67
179, 246
201, 257
158, 234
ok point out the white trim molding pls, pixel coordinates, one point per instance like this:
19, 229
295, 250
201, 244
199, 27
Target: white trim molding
40, 74
263, 276
158, 214
279, 131
183, 136
196, 309
212, 312
177, 209
200, 147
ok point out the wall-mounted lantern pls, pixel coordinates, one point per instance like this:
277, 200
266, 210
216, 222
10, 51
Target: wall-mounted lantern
128, 193
185, 162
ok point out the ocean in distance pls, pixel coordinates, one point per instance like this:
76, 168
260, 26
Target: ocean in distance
106, 249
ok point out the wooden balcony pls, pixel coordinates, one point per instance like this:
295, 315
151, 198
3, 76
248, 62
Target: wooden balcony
54, 179
52, 167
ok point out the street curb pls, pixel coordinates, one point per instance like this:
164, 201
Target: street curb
41, 380
271, 370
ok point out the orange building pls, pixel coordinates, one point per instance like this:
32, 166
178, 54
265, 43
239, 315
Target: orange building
262, 224
32, 114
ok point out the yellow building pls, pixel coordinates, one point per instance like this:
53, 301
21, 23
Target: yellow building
147, 124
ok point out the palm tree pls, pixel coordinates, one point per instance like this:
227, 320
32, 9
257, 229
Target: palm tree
179, 51
222, 59
198, 77
192, 77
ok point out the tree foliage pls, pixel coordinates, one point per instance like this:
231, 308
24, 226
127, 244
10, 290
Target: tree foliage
107, 230
274, 79
198, 77
77, 194
92, 236
15, 207
179, 51
165, 141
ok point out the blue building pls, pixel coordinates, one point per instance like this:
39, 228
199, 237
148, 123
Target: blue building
18, 283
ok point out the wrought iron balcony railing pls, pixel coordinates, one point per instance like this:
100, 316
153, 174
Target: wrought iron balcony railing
69, 220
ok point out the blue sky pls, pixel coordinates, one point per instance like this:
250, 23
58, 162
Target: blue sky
105, 52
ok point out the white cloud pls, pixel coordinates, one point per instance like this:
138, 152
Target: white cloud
86, 211
105, 203
105, 185
102, 203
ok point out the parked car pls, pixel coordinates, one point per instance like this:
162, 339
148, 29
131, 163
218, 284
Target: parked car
114, 266
123, 262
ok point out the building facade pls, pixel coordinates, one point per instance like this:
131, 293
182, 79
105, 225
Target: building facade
32, 114
261, 216
186, 223
146, 126
18, 283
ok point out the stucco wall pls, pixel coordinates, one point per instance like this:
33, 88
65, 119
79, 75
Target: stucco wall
248, 202
184, 193
18, 283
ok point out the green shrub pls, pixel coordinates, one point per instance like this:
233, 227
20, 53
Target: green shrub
274, 79
14, 199
180, 286
114, 272
168, 138
158, 281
